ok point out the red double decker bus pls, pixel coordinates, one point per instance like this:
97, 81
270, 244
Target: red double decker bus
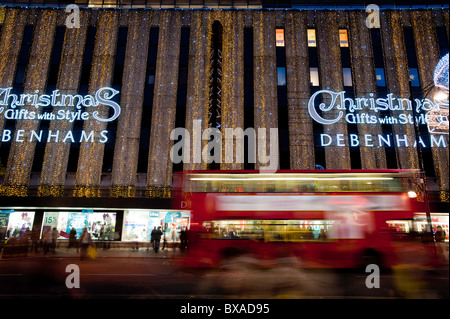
327, 218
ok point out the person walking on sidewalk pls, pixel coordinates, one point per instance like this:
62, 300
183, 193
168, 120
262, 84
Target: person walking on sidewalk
85, 240
72, 238
152, 238
55, 235
157, 237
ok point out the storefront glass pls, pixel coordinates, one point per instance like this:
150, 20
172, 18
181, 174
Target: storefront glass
138, 224
14, 224
100, 225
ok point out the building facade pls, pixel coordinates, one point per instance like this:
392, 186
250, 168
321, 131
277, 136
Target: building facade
90, 97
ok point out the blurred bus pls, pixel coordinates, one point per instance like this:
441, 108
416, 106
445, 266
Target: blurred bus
326, 218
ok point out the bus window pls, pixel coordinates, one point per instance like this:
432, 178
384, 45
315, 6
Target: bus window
272, 230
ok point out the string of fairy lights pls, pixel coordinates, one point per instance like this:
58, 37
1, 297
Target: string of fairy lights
159, 172
197, 103
298, 90
365, 83
132, 98
56, 156
264, 23
265, 75
21, 155
232, 81
428, 53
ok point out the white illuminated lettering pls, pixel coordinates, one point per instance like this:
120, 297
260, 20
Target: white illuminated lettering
386, 141
85, 138
368, 140
340, 140
69, 135
312, 107
354, 140
19, 135
6, 135
439, 143
107, 96
420, 141
36, 136
103, 96
322, 141
399, 140
104, 136
52, 135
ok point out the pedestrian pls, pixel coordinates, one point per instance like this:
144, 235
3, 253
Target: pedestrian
152, 238
439, 236
54, 235
106, 244
35, 240
85, 240
72, 237
158, 234
183, 240
441, 248
47, 240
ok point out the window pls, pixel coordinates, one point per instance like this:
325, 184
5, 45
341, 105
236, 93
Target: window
379, 74
281, 74
343, 38
347, 73
151, 80
280, 37
272, 230
312, 37
414, 77
314, 76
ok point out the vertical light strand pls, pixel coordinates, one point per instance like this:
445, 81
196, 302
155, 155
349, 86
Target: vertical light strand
265, 79
364, 79
301, 137
10, 42
56, 156
159, 175
330, 66
232, 87
89, 169
21, 154
197, 85
132, 98
428, 56
397, 76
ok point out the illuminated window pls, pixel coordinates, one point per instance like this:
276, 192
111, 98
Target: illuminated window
347, 73
379, 74
281, 74
314, 76
343, 38
414, 77
280, 37
311, 37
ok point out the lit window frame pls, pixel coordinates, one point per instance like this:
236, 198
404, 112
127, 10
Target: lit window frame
343, 38
279, 37
311, 37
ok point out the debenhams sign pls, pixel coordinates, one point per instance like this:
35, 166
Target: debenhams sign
366, 111
11, 107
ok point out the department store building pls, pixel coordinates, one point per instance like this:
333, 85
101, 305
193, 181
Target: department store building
90, 92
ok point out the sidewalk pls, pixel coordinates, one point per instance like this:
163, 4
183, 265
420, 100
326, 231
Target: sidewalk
122, 252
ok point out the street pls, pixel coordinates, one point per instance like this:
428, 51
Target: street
159, 276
